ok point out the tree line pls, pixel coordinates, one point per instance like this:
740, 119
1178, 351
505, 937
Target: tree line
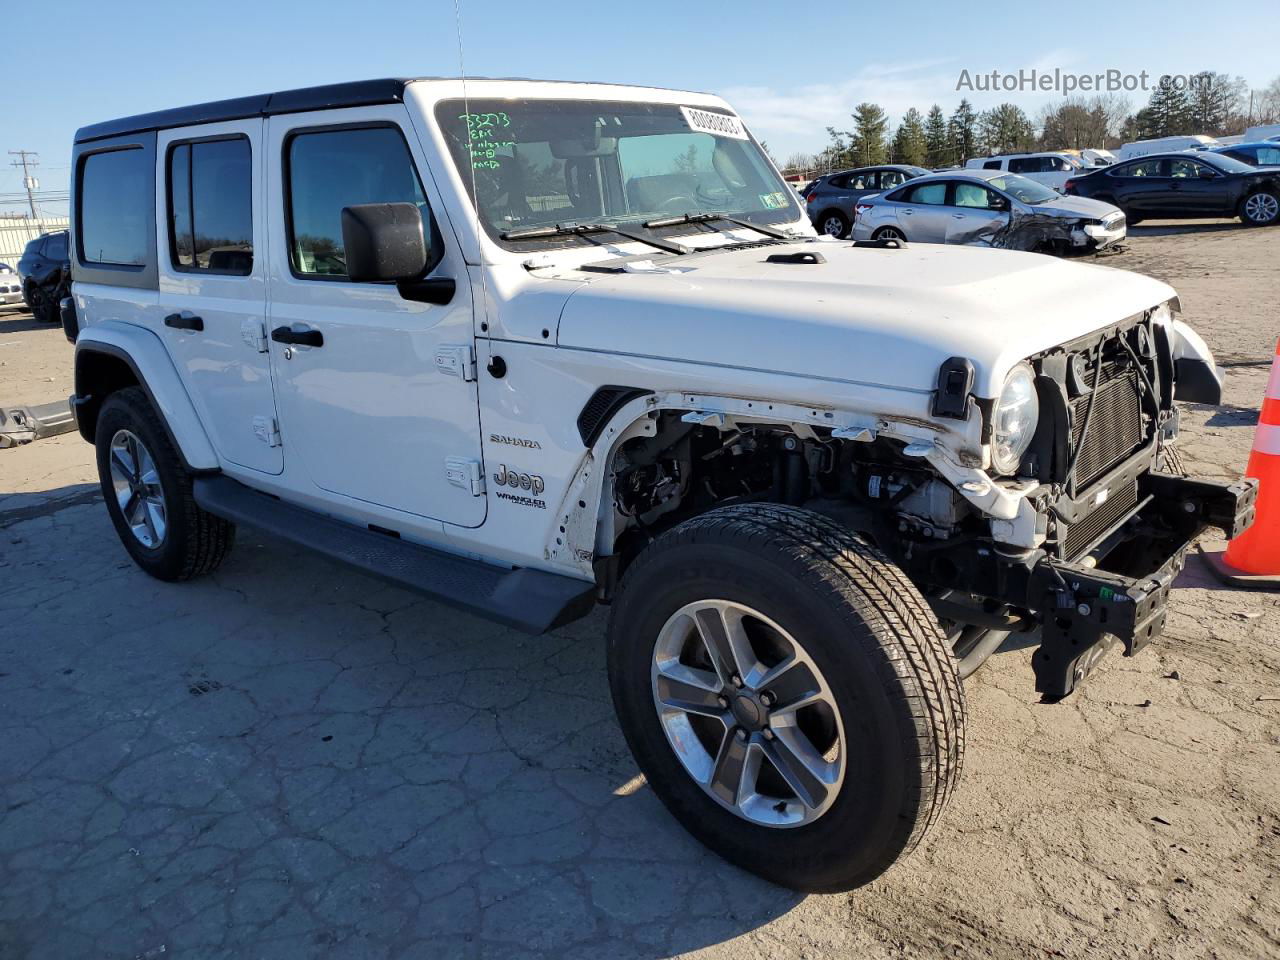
1208, 103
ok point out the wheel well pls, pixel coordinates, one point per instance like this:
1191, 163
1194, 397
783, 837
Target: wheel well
883, 230
677, 468
98, 375
830, 210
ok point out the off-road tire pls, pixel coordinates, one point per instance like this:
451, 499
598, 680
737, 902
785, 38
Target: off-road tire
876, 641
196, 541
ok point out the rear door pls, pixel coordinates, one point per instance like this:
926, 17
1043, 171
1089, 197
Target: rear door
923, 213
1142, 186
212, 280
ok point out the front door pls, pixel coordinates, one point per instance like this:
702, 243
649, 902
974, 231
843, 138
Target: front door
385, 394
212, 278
977, 214
1198, 189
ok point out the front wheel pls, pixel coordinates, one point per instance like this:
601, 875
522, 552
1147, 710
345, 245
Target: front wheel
1261, 209
787, 693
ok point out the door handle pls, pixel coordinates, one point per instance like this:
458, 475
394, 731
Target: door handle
957, 216
908, 212
302, 338
184, 322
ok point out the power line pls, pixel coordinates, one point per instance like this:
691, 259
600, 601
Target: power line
28, 180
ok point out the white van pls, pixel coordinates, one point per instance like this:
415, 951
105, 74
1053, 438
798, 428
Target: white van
1053, 169
1143, 148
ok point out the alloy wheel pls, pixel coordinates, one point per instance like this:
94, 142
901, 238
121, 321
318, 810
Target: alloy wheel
748, 713
1262, 208
136, 484
888, 233
833, 227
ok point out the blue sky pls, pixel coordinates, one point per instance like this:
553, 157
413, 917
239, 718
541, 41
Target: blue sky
789, 74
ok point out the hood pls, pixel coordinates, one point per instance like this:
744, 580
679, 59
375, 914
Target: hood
1067, 206
875, 316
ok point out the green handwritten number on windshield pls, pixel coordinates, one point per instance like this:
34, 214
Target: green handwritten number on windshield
485, 135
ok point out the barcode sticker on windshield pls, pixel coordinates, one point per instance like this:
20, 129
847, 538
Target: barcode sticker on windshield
716, 124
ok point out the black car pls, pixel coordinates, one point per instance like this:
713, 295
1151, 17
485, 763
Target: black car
45, 272
1175, 186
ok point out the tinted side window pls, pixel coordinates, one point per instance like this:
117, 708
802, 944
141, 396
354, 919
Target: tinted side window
891, 178
991, 165
56, 247
1183, 169
332, 169
211, 206
933, 193
115, 207
1139, 168
1267, 155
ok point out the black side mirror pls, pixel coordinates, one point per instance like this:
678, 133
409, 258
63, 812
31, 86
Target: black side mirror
1206, 174
385, 241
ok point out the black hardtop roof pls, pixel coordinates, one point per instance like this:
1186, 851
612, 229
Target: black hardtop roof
357, 93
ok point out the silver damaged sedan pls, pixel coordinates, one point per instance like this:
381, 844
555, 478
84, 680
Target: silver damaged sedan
988, 208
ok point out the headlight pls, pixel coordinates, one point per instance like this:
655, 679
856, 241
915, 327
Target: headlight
1014, 420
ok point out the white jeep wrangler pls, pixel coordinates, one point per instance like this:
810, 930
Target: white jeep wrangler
526, 346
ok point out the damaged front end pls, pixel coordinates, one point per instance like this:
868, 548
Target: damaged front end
1058, 231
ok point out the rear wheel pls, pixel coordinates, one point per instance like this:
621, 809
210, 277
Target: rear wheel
148, 493
40, 304
1260, 209
888, 233
833, 223
787, 693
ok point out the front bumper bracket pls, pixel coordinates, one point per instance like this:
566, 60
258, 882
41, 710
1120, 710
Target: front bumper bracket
1086, 609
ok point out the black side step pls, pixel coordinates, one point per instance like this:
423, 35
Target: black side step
530, 600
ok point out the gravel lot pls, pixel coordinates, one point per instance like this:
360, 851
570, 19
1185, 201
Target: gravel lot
290, 760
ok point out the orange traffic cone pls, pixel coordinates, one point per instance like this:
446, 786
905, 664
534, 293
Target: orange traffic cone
1257, 550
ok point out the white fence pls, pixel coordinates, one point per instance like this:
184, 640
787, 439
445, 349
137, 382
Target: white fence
17, 232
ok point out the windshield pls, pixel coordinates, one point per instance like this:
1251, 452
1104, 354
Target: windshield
1028, 191
538, 163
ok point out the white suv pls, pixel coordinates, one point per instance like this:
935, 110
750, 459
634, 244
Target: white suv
526, 346
1051, 169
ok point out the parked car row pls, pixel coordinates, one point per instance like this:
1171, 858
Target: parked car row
1013, 200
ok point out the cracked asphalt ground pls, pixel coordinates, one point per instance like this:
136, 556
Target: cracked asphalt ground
290, 760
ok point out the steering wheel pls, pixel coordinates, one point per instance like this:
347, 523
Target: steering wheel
678, 204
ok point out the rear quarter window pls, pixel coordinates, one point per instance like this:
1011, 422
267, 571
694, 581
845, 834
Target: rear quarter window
115, 207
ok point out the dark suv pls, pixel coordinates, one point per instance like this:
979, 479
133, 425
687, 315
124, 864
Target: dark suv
831, 199
45, 273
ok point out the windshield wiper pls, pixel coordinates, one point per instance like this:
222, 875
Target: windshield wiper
709, 217
582, 229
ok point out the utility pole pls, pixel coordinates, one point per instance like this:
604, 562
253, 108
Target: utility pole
28, 181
